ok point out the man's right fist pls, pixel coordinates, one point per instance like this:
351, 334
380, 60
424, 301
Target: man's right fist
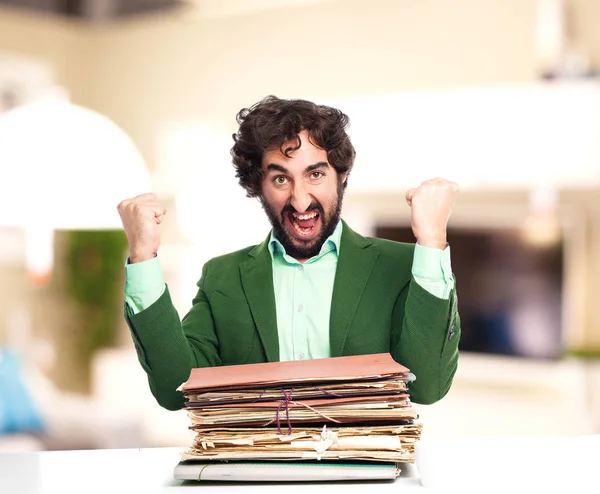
141, 217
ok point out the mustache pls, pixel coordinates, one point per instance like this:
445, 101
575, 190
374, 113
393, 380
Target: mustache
314, 206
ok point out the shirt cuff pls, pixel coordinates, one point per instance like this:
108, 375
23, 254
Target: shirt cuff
144, 283
433, 271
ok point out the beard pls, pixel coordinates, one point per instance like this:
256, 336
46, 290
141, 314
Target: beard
305, 250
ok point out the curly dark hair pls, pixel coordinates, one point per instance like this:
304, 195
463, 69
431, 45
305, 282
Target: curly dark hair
273, 122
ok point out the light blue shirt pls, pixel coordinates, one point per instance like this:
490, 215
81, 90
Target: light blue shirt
303, 299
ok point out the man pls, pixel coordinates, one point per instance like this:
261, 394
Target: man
313, 288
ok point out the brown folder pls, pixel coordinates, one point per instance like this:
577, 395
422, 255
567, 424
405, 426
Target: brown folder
352, 368
319, 402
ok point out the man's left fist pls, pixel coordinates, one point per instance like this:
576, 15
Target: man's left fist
431, 204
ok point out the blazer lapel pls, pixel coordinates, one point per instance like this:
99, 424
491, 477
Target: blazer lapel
355, 264
257, 282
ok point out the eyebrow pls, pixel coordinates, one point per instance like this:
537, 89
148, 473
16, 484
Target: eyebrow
310, 168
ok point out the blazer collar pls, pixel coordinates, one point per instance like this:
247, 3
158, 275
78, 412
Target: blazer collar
257, 281
355, 265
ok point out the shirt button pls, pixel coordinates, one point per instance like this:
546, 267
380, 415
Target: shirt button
300, 267
301, 356
300, 308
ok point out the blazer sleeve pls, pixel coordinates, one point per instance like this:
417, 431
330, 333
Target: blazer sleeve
168, 348
425, 337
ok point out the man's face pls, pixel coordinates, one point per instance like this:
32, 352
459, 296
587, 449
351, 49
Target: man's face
302, 197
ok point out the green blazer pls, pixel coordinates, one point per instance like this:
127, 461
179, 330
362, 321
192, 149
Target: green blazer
376, 307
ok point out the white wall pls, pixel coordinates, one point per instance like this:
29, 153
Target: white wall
150, 71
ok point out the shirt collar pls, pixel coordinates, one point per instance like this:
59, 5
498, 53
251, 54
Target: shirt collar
331, 244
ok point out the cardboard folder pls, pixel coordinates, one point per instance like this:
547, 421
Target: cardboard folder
316, 403
351, 368
270, 471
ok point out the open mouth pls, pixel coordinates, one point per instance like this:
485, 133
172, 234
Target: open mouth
304, 225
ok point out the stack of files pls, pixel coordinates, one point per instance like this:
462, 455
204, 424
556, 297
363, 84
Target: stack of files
321, 415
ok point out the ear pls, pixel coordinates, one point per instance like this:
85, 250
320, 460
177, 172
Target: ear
344, 178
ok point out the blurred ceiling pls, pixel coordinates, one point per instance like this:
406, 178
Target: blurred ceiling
94, 10
113, 10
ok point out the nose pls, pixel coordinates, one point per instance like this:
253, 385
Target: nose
301, 199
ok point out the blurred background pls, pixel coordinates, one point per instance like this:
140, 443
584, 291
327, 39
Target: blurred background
101, 100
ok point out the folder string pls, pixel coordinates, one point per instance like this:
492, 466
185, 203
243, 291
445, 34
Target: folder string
283, 391
286, 402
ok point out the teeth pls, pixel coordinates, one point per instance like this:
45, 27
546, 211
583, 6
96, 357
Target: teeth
306, 216
303, 232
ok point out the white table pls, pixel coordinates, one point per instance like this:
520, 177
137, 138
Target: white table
484, 465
